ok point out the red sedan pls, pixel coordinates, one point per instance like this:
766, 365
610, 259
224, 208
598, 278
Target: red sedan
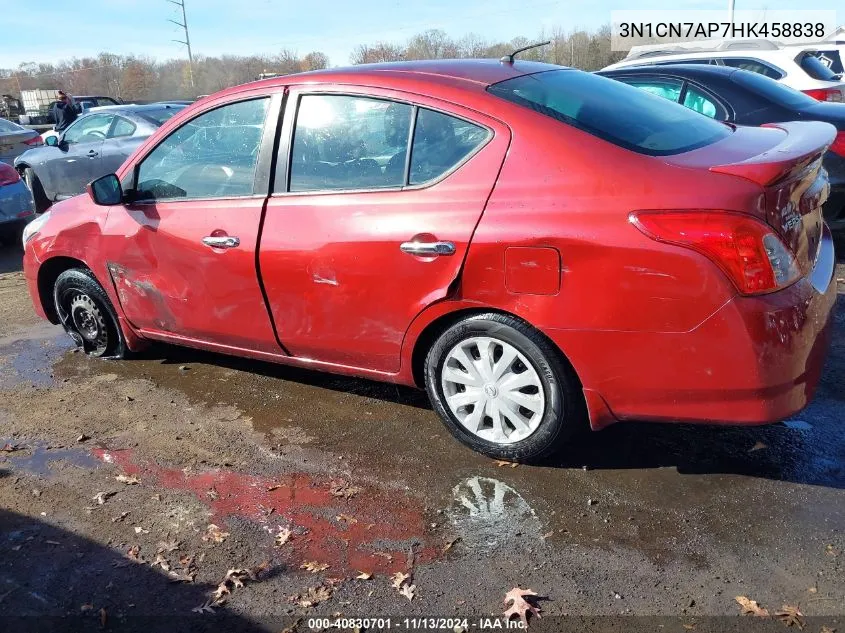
536, 246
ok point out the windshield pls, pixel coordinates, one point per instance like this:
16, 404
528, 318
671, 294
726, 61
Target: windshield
160, 116
614, 111
772, 90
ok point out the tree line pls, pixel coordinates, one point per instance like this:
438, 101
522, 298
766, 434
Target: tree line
139, 78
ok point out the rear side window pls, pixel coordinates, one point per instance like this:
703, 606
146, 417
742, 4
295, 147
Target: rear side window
666, 88
122, 127
613, 111
754, 65
441, 142
696, 100
814, 67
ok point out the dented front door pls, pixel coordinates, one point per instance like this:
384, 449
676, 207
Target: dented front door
182, 257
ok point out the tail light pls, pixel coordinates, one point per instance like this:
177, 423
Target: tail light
35, 141
838, 145
753, 257
825, 94
8, 175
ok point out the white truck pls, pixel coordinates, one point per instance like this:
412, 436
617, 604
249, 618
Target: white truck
36, 106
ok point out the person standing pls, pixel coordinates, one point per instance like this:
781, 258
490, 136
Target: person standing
64, 113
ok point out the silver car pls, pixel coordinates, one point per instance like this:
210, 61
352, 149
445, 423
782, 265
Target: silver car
17, 207
15, 140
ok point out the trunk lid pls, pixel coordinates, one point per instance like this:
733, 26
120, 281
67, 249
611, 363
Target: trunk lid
785, 160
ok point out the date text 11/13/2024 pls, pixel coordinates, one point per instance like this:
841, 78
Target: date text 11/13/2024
417, 624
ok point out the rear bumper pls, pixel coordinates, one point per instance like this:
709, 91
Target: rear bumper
756, 360
16, 206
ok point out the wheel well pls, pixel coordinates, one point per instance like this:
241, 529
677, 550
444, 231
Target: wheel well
20, 167
434, 329
47, 275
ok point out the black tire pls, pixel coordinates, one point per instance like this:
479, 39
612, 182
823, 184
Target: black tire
564, 411
87, 314
42, 202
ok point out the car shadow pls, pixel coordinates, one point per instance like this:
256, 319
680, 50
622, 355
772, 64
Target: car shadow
55, 580
11, 259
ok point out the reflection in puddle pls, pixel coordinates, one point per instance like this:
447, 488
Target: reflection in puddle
37, 458
488, 513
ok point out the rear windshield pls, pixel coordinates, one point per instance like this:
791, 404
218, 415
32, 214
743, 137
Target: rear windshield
814, 67
8, 126
160, 116
613, 111
772, 90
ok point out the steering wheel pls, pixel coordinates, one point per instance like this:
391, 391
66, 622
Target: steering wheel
96, 133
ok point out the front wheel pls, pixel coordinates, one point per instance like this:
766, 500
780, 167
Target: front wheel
87, 314
502, 389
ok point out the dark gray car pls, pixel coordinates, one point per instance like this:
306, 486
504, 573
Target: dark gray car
95, 144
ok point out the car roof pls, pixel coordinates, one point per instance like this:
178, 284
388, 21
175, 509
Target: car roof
478, 73
130, 108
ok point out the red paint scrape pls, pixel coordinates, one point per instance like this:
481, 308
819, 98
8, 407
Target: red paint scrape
374, 534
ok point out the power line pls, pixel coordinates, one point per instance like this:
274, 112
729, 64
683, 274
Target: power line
187, 41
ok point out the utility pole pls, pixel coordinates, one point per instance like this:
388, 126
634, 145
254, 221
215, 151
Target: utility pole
731, 11
187, 41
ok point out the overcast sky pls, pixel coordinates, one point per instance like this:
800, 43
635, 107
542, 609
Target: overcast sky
50, 30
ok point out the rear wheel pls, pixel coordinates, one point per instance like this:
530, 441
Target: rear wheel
502, 389
42, 202
87, 314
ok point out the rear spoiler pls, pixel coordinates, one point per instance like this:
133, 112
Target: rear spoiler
805, 143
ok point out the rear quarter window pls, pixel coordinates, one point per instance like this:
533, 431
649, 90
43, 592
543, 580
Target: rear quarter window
613, 111
814, 67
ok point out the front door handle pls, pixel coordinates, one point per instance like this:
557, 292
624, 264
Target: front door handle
221, 242
428, 249
92, 154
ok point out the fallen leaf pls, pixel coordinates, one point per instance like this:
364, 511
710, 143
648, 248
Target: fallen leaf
345, 518
344, 489
168, 546
160, 561
120, 517
101, 497
86, 607
790, 616
363, 575
185, 560
813, 589
832, 551
129, 481
689, 627
212, 494
182, 575
133, 553
313, 597
521, 605
757, 447
214, 534
11, 448
103, 618
501, 462
750, 607
255, 572
282, 536
398, 579
450, 543
206, 607
827, 629
408, 591
140, 530
548, 535
273, 487
314, 567
82, 438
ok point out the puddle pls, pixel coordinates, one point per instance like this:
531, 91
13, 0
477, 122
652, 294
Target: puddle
488, 513
798, 425
37, 458
373, 530
29, 361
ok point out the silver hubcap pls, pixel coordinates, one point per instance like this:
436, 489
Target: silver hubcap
493, 390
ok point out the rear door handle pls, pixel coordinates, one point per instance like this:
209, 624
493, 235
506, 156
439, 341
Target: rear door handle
92, 154
221, 242
428, 249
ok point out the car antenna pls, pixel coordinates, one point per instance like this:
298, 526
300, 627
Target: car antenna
509, 59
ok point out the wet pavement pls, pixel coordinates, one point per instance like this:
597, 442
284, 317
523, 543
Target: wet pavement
638, 520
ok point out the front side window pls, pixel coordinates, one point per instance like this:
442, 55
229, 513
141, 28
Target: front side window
666, 88
211, 156
345, 142
613, 111
441, 142
88, 129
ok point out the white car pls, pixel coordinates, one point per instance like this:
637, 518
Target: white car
797, 66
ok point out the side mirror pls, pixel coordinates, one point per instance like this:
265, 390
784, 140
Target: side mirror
52, 140
105, 191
